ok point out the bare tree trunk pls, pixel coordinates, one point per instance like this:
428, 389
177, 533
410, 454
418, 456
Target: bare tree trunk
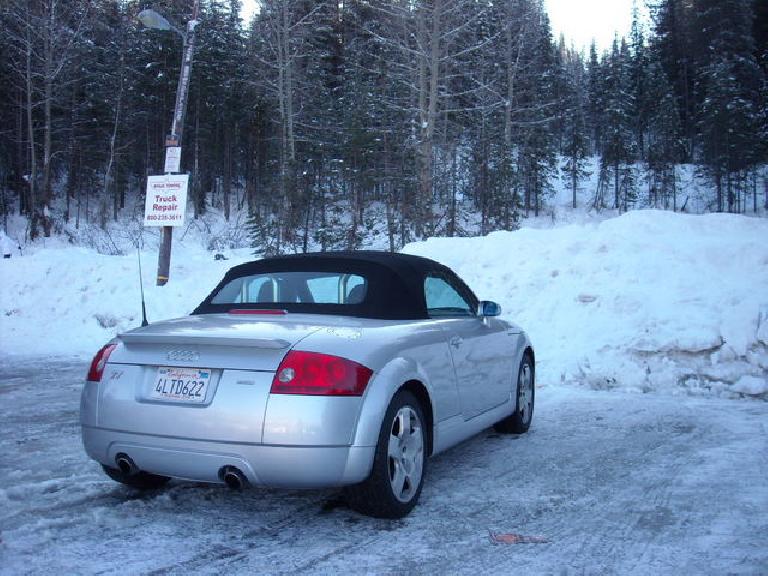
389, 196
527, 194
227, 188
307, 214
454, 191
48, 75
286, 66
20, 185
574, 177
323, 212
391, 222
112, 142
429, 76
719, 185
282, 29
197, 188
73, 153
4, 203
765, 189
484, 181
754, 191
729, 191
261, 163
513, 64
674, 197
77, 214
32, 202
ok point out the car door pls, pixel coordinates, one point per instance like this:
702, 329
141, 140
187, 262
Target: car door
479, 347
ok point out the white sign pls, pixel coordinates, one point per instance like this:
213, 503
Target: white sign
172, 158
166, 200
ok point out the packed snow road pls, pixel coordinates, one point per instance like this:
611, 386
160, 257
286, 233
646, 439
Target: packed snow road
615, 483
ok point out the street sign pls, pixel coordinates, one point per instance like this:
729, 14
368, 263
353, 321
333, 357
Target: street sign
166, 200
172, 159
172, 140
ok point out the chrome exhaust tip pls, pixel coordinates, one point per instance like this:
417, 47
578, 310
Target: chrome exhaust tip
126, 465
233, 478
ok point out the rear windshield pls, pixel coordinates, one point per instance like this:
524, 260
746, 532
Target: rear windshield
294, 287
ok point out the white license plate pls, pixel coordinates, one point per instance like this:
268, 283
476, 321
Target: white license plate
188, 385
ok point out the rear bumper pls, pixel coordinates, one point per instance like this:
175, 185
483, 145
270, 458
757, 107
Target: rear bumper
262, 464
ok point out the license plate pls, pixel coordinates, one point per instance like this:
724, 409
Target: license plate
188, 385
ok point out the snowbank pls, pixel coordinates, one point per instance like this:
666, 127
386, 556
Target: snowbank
649, 300
69, 301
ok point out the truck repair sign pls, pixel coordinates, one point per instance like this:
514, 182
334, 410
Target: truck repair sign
166, 200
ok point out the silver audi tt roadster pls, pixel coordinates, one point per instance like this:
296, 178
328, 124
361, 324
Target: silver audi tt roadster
336, 369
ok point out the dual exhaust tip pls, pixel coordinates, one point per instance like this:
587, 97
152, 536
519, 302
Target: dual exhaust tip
233, 477
230, 475
126, 465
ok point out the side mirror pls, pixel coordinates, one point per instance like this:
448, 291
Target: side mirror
488, 308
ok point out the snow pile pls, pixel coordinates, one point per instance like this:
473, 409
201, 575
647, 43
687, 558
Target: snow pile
67, 301
648, 300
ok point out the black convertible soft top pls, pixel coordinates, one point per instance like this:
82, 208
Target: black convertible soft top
395, 283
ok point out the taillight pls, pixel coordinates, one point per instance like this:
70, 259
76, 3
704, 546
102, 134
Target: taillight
314, 374
99, 362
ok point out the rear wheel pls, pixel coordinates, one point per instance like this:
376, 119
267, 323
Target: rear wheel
140, 480
394, 486
520, 420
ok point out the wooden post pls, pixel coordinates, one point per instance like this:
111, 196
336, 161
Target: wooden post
177, 127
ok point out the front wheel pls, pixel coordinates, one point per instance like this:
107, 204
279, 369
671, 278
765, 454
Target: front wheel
399, 464
520, 420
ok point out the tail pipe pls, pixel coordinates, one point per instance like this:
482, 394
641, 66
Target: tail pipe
233, 477
126, 465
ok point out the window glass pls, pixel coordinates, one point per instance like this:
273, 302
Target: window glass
292, 287
443, 299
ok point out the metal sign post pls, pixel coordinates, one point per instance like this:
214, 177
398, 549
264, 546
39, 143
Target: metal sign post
173, 141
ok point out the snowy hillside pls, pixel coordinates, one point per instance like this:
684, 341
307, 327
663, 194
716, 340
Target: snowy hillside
646, 301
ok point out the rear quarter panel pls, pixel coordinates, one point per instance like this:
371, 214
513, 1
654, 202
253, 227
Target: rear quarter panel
414, 350
396, 352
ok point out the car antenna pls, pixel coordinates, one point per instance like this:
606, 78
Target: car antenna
141, 287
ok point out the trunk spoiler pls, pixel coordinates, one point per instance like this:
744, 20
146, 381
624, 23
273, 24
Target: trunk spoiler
204, 339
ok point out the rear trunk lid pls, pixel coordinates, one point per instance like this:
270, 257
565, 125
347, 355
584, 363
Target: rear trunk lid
226, 363
213, 341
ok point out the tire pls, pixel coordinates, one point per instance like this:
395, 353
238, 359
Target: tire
520, 420
399, 464
141, 480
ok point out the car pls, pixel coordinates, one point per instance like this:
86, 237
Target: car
337, 369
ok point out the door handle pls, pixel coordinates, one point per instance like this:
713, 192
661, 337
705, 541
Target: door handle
455, 341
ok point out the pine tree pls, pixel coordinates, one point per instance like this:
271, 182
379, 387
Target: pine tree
538, 142
596, 99
665, 145
216, 117
733, 109
575, 149
638, 73
674, 27
618, 145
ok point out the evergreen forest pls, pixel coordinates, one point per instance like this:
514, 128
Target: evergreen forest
433, 117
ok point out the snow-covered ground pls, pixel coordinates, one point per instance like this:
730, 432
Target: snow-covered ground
617, 483
646, 301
